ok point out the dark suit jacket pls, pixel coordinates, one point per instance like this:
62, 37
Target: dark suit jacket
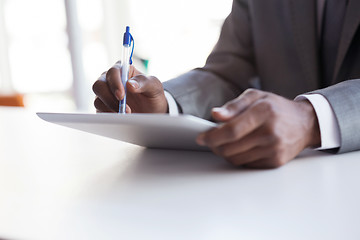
273, 45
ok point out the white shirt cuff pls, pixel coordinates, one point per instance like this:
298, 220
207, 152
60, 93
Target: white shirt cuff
173, 108
329, 129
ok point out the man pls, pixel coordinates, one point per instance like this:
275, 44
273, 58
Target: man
286, 48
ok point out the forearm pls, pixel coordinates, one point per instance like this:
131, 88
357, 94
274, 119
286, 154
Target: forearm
228, 71
196, 92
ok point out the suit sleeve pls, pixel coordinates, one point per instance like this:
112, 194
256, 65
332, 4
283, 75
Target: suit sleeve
228, 71
344, 99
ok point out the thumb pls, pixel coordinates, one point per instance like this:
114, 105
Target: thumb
148, 86
238, 105
222, 114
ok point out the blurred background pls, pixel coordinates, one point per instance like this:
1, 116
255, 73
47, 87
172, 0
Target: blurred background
52, 51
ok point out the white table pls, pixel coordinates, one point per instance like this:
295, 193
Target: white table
59, 183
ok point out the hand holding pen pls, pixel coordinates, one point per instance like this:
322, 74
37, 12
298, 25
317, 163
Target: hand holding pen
144, 94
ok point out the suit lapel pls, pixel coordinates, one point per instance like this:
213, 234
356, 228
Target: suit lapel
351, 23
303, 18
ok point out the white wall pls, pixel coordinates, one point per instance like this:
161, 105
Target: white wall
175, 36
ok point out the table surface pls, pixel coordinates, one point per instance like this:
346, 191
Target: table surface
60, 183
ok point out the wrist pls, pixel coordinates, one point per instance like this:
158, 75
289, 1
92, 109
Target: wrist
311, 124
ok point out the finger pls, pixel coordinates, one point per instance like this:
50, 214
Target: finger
128, 109
113, 78
266, 163
149, 86
100, 106
238, 127
238, 105
253, 155
252, 140
133, 71
101, 89
257, 164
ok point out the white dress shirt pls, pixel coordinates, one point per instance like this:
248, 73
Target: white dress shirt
173, 108
329, 129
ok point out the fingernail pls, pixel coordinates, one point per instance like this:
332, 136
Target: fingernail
222, 111
134, 84
200, 140
118, 95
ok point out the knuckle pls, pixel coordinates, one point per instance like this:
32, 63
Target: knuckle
97, 86
277, 141
273, 139
97, 103
234, 104
277, 158
280, 151
272, 125
277, 147
251, 122
275, 162
154, 79
270, 133
209, 140
251, 92
247, 96
264, 106
111, 71
222, 151
156, 82
140, 77
231, 131
216, 151
233, 160
111, 77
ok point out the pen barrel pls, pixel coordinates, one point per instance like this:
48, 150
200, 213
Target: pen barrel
125, 65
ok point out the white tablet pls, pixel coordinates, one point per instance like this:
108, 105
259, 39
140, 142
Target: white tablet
148, 130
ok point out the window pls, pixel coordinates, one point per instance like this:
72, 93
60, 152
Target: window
39, 58
38, 55
176, 36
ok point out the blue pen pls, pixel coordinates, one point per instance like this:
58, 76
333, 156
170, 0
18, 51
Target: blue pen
128, 41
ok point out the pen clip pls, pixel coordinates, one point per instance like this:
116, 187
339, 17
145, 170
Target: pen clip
128, 41
132, 42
